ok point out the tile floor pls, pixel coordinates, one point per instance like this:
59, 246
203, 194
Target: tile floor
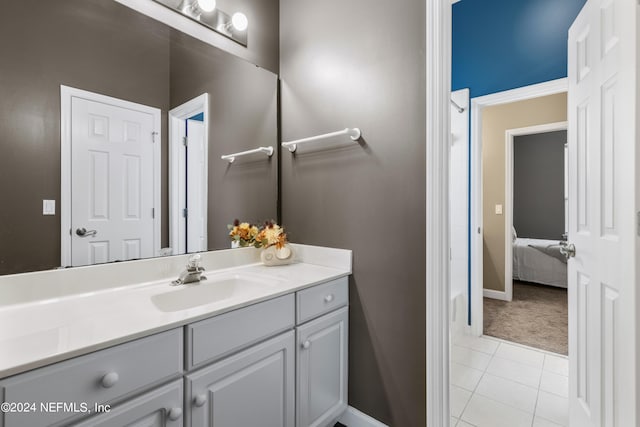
495, 383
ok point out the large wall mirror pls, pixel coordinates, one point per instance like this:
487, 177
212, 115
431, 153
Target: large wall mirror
97, 101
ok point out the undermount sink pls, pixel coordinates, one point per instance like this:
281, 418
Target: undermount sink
208, 291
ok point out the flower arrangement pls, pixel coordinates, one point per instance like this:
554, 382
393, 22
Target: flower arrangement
271, 234
246, 234
243, 233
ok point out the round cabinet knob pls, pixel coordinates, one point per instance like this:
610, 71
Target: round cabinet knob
328, 298
306, 344
109, 380
174, 414
199, 400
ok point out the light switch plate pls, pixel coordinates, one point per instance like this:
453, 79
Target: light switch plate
498, 209
48, 207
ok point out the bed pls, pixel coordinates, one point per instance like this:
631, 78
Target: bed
539, 261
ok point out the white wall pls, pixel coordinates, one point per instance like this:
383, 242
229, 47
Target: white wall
459, 206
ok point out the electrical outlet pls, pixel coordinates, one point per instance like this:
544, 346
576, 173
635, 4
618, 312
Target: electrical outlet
498, 209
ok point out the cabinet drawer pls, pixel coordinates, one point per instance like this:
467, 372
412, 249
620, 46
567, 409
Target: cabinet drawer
214, 338
103, 376
321, 299
161, 407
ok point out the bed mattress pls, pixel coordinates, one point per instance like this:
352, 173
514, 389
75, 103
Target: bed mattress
533, 265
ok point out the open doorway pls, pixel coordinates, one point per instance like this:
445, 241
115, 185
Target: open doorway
533, 309
602, 240
188, 172
517, 381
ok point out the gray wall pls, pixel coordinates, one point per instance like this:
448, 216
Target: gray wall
243, 107
361, 63
538, 185
103, 47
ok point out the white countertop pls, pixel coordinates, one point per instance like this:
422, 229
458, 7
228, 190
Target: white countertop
39, 332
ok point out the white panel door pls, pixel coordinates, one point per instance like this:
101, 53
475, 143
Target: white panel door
112, 192
196, 187
459, 202
602, 127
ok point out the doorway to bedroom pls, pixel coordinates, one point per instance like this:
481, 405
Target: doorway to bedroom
510, 367
524, 277
534, 310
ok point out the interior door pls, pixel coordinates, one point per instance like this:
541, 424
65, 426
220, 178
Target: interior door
601, 150
196, 187
459, 208
112, 192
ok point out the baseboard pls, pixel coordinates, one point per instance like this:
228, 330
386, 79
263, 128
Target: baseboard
354, 418
490, 293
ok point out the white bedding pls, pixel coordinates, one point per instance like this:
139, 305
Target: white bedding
533, 265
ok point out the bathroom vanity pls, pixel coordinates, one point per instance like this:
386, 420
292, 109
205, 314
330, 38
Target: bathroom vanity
249, 346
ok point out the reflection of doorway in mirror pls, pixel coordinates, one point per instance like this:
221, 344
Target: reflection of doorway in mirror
195, 180
188, 171
110, 169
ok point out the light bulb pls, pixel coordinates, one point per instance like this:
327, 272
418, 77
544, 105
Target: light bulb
239, 21
207, 5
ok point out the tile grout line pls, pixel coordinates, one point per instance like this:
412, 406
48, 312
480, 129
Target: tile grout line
535, 409
484, 371
493, 357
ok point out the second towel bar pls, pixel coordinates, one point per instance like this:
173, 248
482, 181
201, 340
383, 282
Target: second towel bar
354, 134
232, 157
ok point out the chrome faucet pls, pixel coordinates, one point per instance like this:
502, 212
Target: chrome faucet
193, 273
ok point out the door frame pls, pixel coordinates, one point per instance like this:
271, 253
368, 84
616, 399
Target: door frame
67, 93
438, 141
478, 104
177, 120
510, 135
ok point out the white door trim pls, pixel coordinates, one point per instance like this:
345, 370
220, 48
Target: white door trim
438, 143
66, 95
510, 135
177, 117
477, 105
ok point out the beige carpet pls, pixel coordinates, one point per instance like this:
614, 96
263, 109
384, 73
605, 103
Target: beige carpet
536, 317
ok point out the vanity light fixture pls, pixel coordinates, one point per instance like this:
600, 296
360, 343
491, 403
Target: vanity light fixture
240, 21
207, 5
206, 13
195, 8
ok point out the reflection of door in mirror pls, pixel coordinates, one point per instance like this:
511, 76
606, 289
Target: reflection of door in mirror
110, 209
195, 208
188, 172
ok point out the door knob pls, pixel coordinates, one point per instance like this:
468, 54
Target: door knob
83, 232
567, 249
306, 344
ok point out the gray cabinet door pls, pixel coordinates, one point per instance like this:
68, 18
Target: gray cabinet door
158, 408
322, 362
253, 388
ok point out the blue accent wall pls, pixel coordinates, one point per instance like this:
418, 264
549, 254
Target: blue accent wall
198, 117
504, 44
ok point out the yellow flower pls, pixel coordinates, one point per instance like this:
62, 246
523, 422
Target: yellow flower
272, 234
